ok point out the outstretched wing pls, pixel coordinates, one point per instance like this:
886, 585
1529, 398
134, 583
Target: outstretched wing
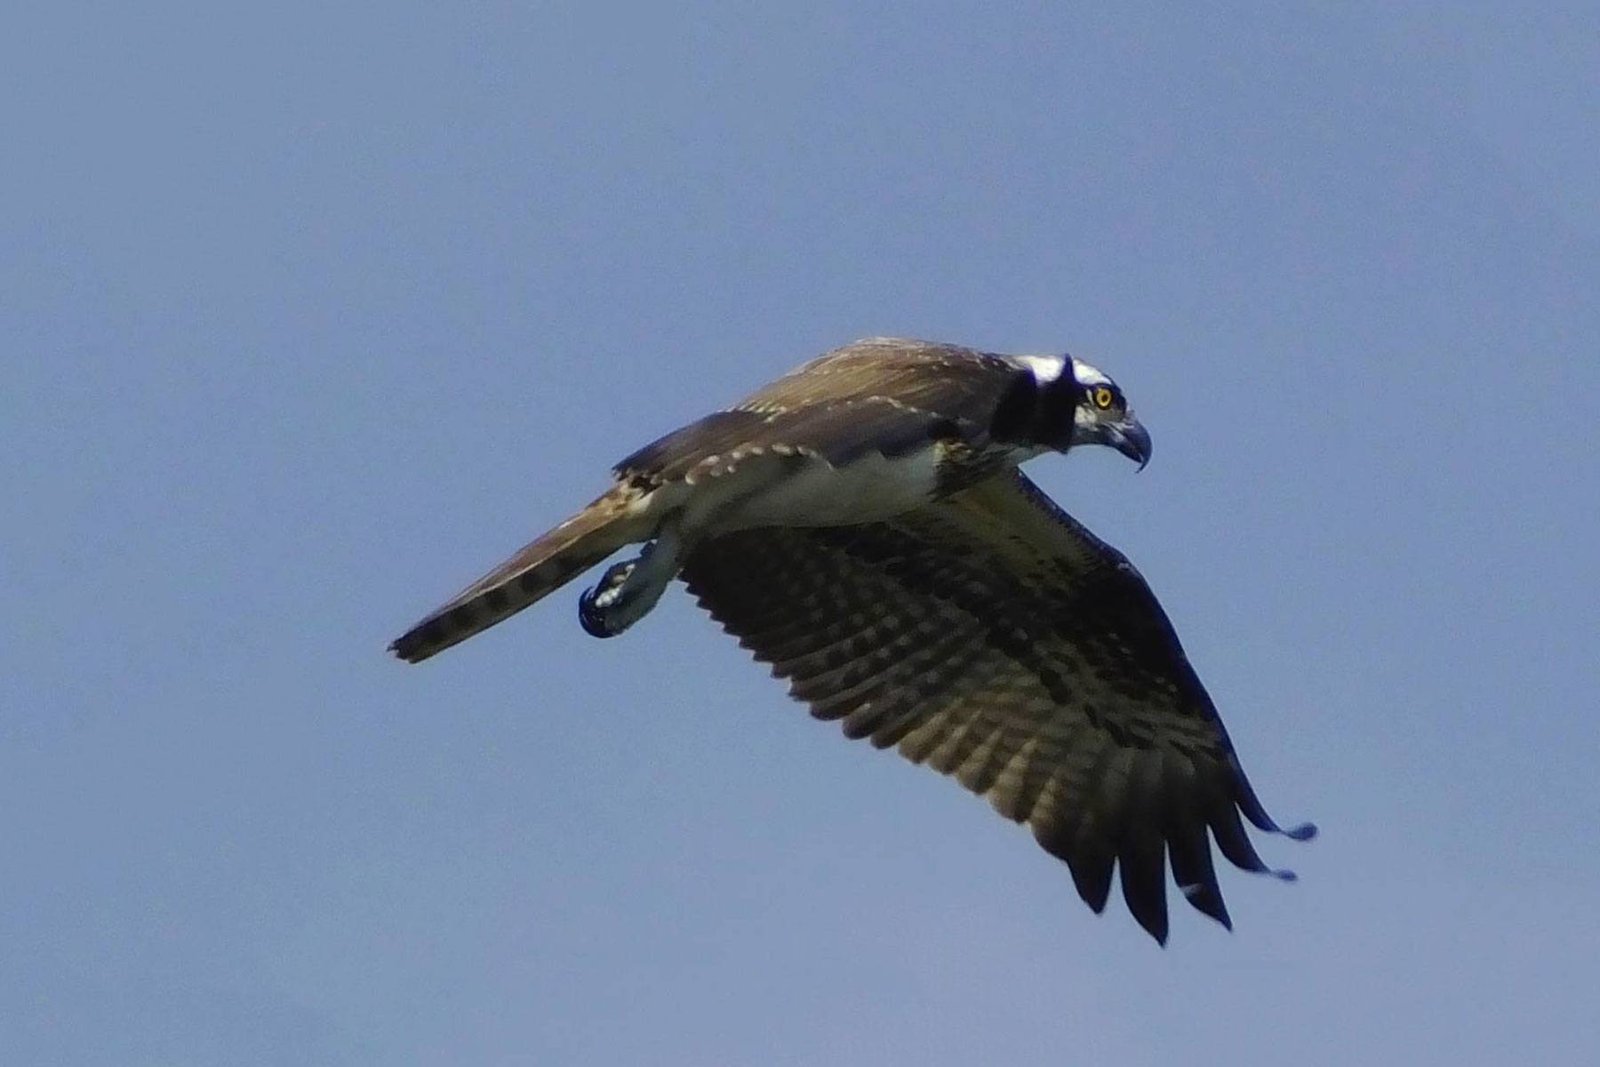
994, 638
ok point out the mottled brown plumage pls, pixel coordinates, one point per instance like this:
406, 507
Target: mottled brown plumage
860, 525
534, 572
881, 395
994, 638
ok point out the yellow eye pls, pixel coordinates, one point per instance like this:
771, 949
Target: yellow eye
1102, 397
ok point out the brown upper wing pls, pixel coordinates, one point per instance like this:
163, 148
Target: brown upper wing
996, 639
921, 374
882, 395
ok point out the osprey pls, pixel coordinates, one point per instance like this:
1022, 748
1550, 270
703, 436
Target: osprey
860, 524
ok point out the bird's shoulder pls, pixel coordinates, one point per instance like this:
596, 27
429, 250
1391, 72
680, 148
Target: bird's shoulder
887, 396
895, 368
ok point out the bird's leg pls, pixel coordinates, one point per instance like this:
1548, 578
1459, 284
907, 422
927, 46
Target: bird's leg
628, 590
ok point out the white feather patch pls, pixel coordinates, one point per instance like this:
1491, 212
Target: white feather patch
1087, 375
1045, 369
765, 491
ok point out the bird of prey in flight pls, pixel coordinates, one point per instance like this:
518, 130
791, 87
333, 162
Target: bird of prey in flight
860, 524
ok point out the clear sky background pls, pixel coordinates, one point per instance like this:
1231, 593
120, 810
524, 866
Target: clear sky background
311, 313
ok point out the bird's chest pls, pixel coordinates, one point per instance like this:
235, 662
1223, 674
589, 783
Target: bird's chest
801, 490
807, 491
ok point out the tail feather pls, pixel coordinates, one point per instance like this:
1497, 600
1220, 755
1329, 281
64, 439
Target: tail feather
539, 569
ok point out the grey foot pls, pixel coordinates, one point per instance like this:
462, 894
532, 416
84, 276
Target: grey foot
597, 607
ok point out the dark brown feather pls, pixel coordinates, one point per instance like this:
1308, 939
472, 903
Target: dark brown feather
880, 395
536, 571
995, 638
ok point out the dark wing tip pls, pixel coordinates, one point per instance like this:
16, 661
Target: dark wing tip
1143, 866
1207, 899
1146, 899
1250, 805
1091, 875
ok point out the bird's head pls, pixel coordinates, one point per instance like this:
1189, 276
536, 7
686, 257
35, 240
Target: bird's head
1102, 415
1100, 412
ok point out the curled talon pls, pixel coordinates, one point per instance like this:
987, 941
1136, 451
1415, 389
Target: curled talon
596, 604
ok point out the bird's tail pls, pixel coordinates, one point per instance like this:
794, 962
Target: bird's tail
539, 569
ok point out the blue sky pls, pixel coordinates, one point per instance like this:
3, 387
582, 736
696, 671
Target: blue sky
311, 315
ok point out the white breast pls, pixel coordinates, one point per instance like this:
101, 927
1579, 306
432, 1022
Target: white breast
778, 491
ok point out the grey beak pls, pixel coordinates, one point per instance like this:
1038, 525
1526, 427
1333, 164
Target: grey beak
1131, 439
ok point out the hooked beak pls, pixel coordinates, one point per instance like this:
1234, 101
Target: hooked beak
1131, 439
